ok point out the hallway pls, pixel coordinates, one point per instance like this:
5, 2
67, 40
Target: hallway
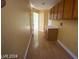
46, 49
59, 18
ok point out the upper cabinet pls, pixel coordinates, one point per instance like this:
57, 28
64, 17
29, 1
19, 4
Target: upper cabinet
75, 9
52, 13
65, 10
60, 9
55, 12
67, 13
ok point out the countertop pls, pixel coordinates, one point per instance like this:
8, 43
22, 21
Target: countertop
52, 27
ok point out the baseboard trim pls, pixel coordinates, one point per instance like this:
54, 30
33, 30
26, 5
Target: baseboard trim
67, 50
28, 46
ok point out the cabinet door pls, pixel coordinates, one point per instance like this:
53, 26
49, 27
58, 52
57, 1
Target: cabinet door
60, 9
51, 13
75, 9
55, 11
67, 9
52, 34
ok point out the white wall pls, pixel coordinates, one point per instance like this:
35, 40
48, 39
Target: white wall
15, 22
68, 34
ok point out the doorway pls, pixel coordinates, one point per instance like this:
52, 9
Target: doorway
36, 28
35, 21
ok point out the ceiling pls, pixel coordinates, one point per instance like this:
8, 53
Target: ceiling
43, 4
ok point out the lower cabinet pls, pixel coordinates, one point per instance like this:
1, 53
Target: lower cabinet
52, 34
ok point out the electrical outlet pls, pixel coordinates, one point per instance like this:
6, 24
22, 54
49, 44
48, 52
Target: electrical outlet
61, 23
